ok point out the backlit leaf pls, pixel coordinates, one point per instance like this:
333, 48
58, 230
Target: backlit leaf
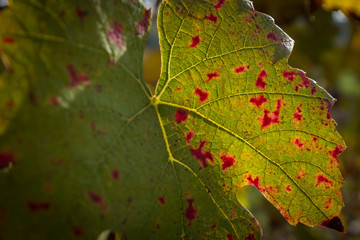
93, 154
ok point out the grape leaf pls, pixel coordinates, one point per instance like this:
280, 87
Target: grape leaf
92, 150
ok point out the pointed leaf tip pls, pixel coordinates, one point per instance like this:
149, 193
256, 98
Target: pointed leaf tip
334, 223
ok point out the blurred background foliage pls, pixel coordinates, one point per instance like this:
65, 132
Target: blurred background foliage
327, 47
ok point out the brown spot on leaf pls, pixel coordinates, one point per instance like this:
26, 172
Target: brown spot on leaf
195, 41
259, 100
181, 116
7, 39
201, 156
202, 95
334, 223
227, 161
212, 75
190, 212
10, 103
211, 18
260, 83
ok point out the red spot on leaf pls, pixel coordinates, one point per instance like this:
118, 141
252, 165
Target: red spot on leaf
10, 103
195, 41
334, 223
297, 114
77, 231
213, 226
305, 82
202, 95
6, 159
115, 174
190, 212
161, 200
212, 75
259, 100
201, 156
241, 69
315, 139
38, 206
288, 188
211, 18
54, 101
76, 79
219, 4
189, 136
97, 199
250, 237
181, 116
321, 179
228, 161
313, 90
260, 83
328, 203
301, 175
328, 107
230, 236
255, 182
7, 39
247, 20
111, 62
336, 152
269, 119
298, 143
271, 36
115, 35
81, 13
289, 75
143, 24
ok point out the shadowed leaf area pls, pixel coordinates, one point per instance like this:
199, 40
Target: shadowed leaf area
86, 151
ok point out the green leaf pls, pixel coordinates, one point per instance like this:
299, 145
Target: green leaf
93, 152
